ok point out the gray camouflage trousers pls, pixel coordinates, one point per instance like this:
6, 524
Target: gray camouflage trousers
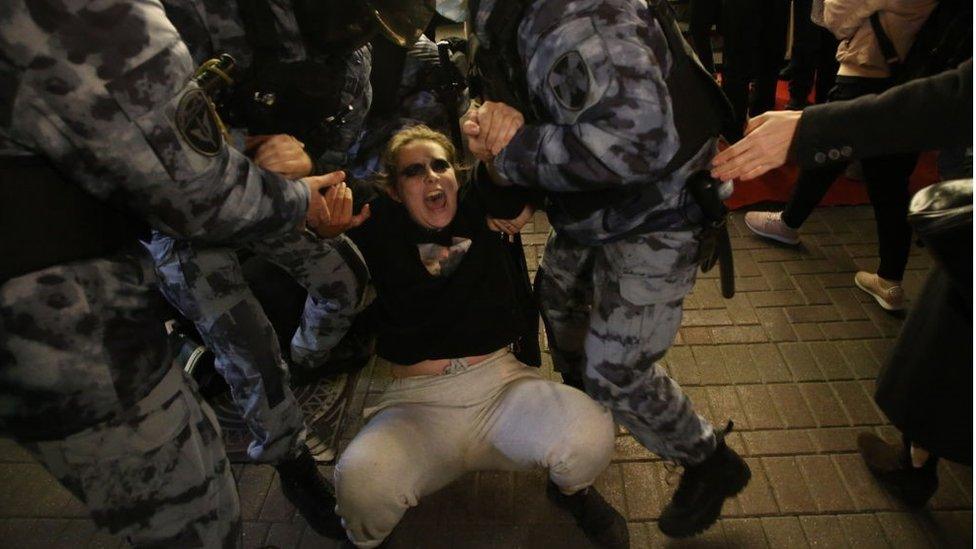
88, 387
612, 312
208, 288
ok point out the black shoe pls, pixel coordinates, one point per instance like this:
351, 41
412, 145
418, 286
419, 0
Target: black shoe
601, 523
311, 494
891, 464
704, 487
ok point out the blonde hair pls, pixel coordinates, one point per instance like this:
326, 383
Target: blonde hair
404, 137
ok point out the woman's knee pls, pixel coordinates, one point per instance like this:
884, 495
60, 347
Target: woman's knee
369, 478
587, 445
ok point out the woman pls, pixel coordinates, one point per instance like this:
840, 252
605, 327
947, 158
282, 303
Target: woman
863, 70
446, 314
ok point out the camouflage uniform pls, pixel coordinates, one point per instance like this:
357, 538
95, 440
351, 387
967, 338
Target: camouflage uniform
85, 379
614, 279
206, 283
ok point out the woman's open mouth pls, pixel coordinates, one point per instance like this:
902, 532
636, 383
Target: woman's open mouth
436, 200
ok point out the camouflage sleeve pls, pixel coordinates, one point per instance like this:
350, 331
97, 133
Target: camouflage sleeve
597, 70
104, 93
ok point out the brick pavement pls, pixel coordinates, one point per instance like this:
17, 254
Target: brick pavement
792, 359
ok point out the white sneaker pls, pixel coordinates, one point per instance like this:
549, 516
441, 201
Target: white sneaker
770, 225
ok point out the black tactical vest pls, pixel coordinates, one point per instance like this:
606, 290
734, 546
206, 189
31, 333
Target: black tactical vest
701, 110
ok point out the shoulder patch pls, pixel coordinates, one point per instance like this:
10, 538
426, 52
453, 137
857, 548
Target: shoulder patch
569, 79
197, 123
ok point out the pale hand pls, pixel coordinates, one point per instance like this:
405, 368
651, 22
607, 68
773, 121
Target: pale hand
765, 147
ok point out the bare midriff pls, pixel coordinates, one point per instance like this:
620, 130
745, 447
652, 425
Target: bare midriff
433, 367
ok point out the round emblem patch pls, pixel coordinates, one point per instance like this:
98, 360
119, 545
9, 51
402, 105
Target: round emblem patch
569, 79
197, 123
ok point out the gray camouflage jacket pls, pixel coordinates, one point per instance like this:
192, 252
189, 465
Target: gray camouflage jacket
597, 69
102, 90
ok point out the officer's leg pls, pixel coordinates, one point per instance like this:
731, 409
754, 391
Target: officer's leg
640, 283
207, 286
335, 276
565, 293
86, 371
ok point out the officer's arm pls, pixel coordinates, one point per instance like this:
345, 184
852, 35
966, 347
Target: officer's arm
598, 74
123, 122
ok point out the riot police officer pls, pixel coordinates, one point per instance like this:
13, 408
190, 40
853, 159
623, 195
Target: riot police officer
296, 96
103, 130
601, 105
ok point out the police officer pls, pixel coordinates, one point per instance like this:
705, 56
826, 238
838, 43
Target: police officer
618, 117
102, 130
300, 89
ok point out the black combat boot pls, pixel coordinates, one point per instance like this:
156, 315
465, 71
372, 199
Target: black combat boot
704, 487
311, 494
892, 465
601, 523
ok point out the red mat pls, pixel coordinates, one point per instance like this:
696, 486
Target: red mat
776, 185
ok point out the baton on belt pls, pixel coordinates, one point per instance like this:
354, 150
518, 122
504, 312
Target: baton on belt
716, 246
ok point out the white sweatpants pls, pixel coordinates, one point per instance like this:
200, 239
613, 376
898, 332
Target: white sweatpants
427, 431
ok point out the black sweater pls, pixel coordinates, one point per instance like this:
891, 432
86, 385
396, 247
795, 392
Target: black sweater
420, 316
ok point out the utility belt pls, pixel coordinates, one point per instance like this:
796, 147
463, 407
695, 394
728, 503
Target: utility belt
46, 220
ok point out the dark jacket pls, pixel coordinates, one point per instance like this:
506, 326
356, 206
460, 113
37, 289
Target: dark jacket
925, 114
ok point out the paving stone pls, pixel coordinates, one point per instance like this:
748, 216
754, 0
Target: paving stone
640, 534
776, 325
744, 533
12, 452
791, 405
494, 496
744, 264
285, 534
776, 252
711, 365
809, 266
750, 283
825, 484
832, 363
791, 492
902, 530
737, 334
709, 295
856, 402
888, 323
707, 317
626, 448
645, 488
276, 507
312, 540
823, 532
868, 495
534, 506
682, 366
812, 289
964, 476
776, 298
30, 491
845, 303
83, 533
949, 495
33, 533
770, 363
835, 440
824, 404
740, 364
699, 401
860, 358
610, 483
778, 442
850, 329
740, 310
252, 486
809, 331
696, 336
799, 359
863, 531
812, 313
757, 497
255, 533
758, 406
724, 403
953, 529
784, 532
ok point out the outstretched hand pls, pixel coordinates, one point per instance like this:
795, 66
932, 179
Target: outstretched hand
280, 153
765, 147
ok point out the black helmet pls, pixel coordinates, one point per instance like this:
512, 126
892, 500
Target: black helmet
345, 25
